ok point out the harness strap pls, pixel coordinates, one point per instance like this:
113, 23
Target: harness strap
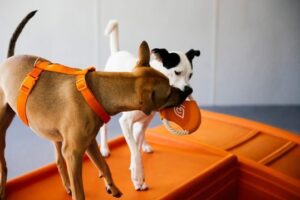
58, 68
91, 100
81, 85
24, 91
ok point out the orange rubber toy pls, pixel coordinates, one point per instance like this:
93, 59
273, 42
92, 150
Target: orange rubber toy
187, 116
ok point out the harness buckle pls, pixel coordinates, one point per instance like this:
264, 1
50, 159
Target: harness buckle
80, 83
25, 89
28, 83
33, 76
35, 73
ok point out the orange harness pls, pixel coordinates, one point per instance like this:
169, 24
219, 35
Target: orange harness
81, 85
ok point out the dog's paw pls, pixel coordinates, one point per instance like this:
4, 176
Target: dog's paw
105, 152
140, 186
69, 191
138, 181
137, 175
114, 191
147, 148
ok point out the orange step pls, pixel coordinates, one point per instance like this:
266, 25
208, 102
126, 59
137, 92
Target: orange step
198, 166
269, 157
177, 170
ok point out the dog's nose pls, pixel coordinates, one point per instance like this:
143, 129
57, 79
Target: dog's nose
187, 90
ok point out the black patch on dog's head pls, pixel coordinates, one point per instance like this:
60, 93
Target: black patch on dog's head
191, 54
169, 60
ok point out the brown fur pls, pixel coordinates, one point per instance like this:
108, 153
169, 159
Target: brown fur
58, 112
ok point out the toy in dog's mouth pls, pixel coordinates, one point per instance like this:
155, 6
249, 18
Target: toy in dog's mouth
187, 116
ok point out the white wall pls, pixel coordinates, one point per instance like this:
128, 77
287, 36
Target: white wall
63, 31
258, 52
175, 25
250, 48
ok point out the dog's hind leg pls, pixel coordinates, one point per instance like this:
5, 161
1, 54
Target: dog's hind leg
73, 155
95, 155
61, 166
6, 116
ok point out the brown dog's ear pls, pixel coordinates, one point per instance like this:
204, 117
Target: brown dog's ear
144, 55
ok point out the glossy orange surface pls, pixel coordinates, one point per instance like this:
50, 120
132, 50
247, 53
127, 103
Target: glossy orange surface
226, 158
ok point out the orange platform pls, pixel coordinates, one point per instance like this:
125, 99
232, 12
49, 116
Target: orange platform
176, 169
226, 158
269, 158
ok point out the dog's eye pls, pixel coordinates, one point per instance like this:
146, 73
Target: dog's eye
190, 76
177, 73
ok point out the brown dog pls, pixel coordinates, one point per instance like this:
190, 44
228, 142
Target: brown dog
58, 112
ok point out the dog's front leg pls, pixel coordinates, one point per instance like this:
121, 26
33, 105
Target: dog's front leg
136, 165
61, 166
73, 154
139, 132
104, 146
95, 155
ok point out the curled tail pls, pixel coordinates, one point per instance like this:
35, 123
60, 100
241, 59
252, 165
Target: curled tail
112, 31
13, 39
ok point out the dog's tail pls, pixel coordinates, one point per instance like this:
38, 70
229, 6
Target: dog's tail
13, 39
112, 30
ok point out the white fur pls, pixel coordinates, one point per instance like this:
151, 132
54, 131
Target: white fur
113, 32
134, 123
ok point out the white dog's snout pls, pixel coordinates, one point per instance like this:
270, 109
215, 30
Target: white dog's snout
181, 85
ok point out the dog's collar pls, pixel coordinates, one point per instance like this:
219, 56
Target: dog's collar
81, 85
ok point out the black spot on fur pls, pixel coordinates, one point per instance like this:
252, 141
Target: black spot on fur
191, 54
169, 60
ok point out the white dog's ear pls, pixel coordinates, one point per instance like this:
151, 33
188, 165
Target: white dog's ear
143, 55
191, 54
168, 60
160, 54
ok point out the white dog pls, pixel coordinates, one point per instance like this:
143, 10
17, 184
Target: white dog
176, 66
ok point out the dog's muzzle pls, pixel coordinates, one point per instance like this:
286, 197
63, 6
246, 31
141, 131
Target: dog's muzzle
186, 92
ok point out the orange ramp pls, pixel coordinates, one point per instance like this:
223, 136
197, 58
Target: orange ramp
269, 157
177, 170
226, 158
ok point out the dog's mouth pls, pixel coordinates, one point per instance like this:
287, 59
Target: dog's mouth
176, 97
183, 87
184, 94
